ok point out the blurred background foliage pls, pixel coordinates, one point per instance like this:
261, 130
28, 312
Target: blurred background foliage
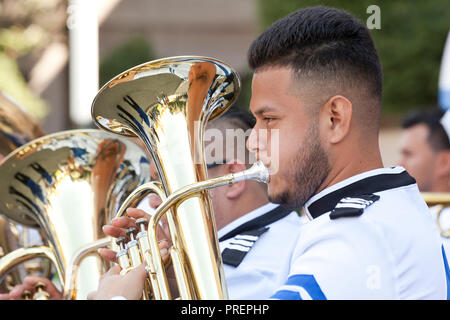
27, 27
131, 53
410, 44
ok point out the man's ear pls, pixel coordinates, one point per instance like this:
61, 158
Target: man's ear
236, 189
335, 117
443, 164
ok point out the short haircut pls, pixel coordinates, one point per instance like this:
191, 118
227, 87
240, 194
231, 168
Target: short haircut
437, 137
325, 44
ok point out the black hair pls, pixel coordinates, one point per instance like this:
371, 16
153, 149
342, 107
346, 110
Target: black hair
437, 137
323, 41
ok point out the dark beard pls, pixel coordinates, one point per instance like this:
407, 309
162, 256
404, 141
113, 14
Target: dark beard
308, 170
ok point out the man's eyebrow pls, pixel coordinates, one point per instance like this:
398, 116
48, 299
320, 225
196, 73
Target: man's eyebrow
263, 109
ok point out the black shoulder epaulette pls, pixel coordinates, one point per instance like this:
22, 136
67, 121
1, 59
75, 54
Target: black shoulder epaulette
240, 245
353, 206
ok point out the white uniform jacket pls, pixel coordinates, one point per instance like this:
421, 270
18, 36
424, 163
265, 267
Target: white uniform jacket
256, 251
371, 237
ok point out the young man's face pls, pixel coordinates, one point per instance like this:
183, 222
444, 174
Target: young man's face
286, 138
417, 156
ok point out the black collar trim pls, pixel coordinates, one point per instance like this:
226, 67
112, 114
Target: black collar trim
259, 222
369, 185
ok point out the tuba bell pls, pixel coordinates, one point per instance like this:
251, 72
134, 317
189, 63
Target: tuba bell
167, 103
438, 201
17, 127
69, 184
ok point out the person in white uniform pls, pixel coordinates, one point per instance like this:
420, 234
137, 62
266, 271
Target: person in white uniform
318, 81
316, 97
371, 238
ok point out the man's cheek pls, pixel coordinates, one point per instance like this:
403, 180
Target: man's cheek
274, 151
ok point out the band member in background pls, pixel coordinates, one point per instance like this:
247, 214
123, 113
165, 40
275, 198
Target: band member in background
317, 83
425, 150
425, 154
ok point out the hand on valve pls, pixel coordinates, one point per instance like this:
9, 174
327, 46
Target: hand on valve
130, 286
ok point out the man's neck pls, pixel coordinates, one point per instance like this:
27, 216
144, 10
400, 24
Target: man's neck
352, 167
246, 205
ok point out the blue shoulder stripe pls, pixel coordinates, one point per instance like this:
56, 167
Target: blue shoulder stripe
305, 281
447, 272
286, 295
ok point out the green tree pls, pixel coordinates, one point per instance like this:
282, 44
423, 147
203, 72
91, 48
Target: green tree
129, 54
26, 28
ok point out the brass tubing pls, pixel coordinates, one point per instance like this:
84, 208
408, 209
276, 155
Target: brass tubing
72, 270
442, 200
24, 254
256, 172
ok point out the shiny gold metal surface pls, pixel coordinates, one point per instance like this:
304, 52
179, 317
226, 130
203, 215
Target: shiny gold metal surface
17, 127
440, 200
69, 184
12, 237
148, 242
167, 103
9, 241
40, 294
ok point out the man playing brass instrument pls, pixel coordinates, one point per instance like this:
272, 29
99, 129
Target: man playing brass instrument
249, 227
240, 210
318, 84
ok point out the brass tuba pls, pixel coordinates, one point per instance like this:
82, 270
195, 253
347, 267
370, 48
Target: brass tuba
438, 201
17, 127
167, 103
69, 184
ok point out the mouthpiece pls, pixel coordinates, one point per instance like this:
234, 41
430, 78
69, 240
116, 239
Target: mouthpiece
257, 171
